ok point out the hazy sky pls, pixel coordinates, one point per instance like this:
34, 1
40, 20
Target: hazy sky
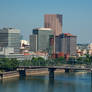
28, 14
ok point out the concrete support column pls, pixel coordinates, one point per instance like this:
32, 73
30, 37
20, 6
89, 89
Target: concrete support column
51, 72
22, 72
91, 75
1, 75
66, 70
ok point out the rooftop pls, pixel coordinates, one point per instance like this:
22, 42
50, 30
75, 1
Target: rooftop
43, 29
9, 30
53, 14
68, 34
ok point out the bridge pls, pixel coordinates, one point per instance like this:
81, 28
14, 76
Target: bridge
51, 69
22, 70
56, 67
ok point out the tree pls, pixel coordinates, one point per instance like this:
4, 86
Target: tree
91, 59
41, 61
71, 60
60, 60
8, 64
34, 62
87, 59
80, 60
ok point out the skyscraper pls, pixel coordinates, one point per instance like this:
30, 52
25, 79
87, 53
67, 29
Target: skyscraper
66, 43
53, 21
10, 37
39, 40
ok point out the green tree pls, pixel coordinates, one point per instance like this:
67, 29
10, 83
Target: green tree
91, 60
80, 60
34, 61
72, 60
41, 61
9, 64
87, 59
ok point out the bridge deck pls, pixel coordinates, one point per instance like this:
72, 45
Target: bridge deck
55, 67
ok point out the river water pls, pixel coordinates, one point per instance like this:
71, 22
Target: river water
63, 82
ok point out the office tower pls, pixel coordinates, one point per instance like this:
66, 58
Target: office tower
66, 43
39, 40
10, 37
53, 21
33, 42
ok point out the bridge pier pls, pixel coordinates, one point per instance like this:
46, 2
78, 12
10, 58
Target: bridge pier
51, 72
1, 75
91, 75
22, 72
67, 70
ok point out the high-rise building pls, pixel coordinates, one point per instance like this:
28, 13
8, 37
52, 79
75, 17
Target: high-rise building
33, 43
39, 40
66, 43
53, 21
10, 37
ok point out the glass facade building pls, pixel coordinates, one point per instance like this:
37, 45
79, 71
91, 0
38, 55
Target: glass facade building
10, 37
39, 40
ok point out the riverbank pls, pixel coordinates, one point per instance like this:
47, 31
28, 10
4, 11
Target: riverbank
9, 74
29, 72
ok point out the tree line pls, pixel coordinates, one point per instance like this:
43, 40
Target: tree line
7, 64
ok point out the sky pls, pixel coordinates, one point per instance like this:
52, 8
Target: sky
28, 14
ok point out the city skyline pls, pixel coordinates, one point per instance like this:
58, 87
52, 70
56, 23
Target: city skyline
28, 14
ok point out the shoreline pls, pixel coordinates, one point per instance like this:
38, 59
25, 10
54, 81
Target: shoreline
29, 72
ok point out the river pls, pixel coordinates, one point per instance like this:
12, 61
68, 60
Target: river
63, 82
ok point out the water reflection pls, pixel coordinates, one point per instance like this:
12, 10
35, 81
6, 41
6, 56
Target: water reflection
91, 81
65, 82
51, 85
